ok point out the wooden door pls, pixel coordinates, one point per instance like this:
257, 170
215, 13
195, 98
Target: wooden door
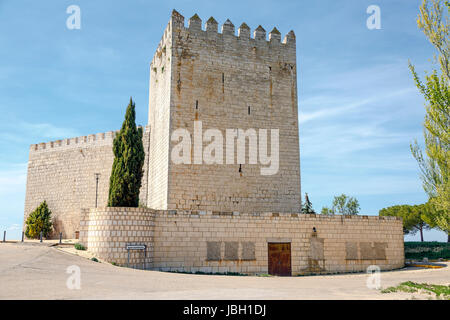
279, 259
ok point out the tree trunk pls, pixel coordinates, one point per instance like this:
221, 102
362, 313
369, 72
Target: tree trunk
421, 234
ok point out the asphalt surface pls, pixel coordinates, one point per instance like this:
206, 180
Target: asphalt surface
36, 271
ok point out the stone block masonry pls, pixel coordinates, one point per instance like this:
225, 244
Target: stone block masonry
227, 82
107, 231
207, 241
62, 172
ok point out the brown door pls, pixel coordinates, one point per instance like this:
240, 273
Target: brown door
279, 259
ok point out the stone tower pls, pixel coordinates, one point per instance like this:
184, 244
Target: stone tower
223, 81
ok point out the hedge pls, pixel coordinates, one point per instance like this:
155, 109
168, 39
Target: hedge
430, 250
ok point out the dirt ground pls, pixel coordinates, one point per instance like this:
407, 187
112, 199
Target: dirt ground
39, 271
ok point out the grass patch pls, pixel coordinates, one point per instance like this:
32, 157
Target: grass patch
79, 246
211, 273
441, 291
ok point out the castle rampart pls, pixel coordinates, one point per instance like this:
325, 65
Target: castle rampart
63, 173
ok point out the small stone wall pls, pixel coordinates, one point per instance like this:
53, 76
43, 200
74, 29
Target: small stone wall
222, 242
107, 231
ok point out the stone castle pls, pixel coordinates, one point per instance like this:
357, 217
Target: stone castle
212, 217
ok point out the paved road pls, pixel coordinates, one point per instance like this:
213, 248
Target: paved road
39, 272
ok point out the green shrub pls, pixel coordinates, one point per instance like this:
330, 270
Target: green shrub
79, 246
94, 259
39, 220
430, 250
441, 291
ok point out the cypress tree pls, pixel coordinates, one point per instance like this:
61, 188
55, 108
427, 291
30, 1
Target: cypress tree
126, 174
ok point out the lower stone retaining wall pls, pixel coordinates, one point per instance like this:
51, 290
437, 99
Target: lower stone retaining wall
221, 242
107, 231
206, 241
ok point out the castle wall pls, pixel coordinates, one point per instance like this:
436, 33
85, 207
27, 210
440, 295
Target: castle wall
62, 173
341, 244
159, 121
231, 82
192, 241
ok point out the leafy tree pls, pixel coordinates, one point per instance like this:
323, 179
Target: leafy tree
434, 164
339, 203
126, 175
39, 220
412, 216
352, 206
344, 204
307, 207
434, 217
326, 211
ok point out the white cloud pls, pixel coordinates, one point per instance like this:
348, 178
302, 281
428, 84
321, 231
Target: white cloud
364, 185
47, 130
344, 139
14, 227
28, 133
334, 106
327, 112
14, 179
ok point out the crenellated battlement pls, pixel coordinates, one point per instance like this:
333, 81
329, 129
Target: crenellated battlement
195, 28
228, 29
162, 45
97, 139
273, 215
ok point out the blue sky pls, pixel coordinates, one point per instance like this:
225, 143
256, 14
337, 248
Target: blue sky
359, 109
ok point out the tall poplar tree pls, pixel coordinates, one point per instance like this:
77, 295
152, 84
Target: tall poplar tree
434, 163
126, 174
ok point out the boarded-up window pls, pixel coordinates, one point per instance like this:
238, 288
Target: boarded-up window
351, 250
373, 251
366, 251
248, 251
213, 250
231, 251
316, 248
380, 250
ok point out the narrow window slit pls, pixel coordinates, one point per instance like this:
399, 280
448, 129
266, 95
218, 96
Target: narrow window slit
248, 109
